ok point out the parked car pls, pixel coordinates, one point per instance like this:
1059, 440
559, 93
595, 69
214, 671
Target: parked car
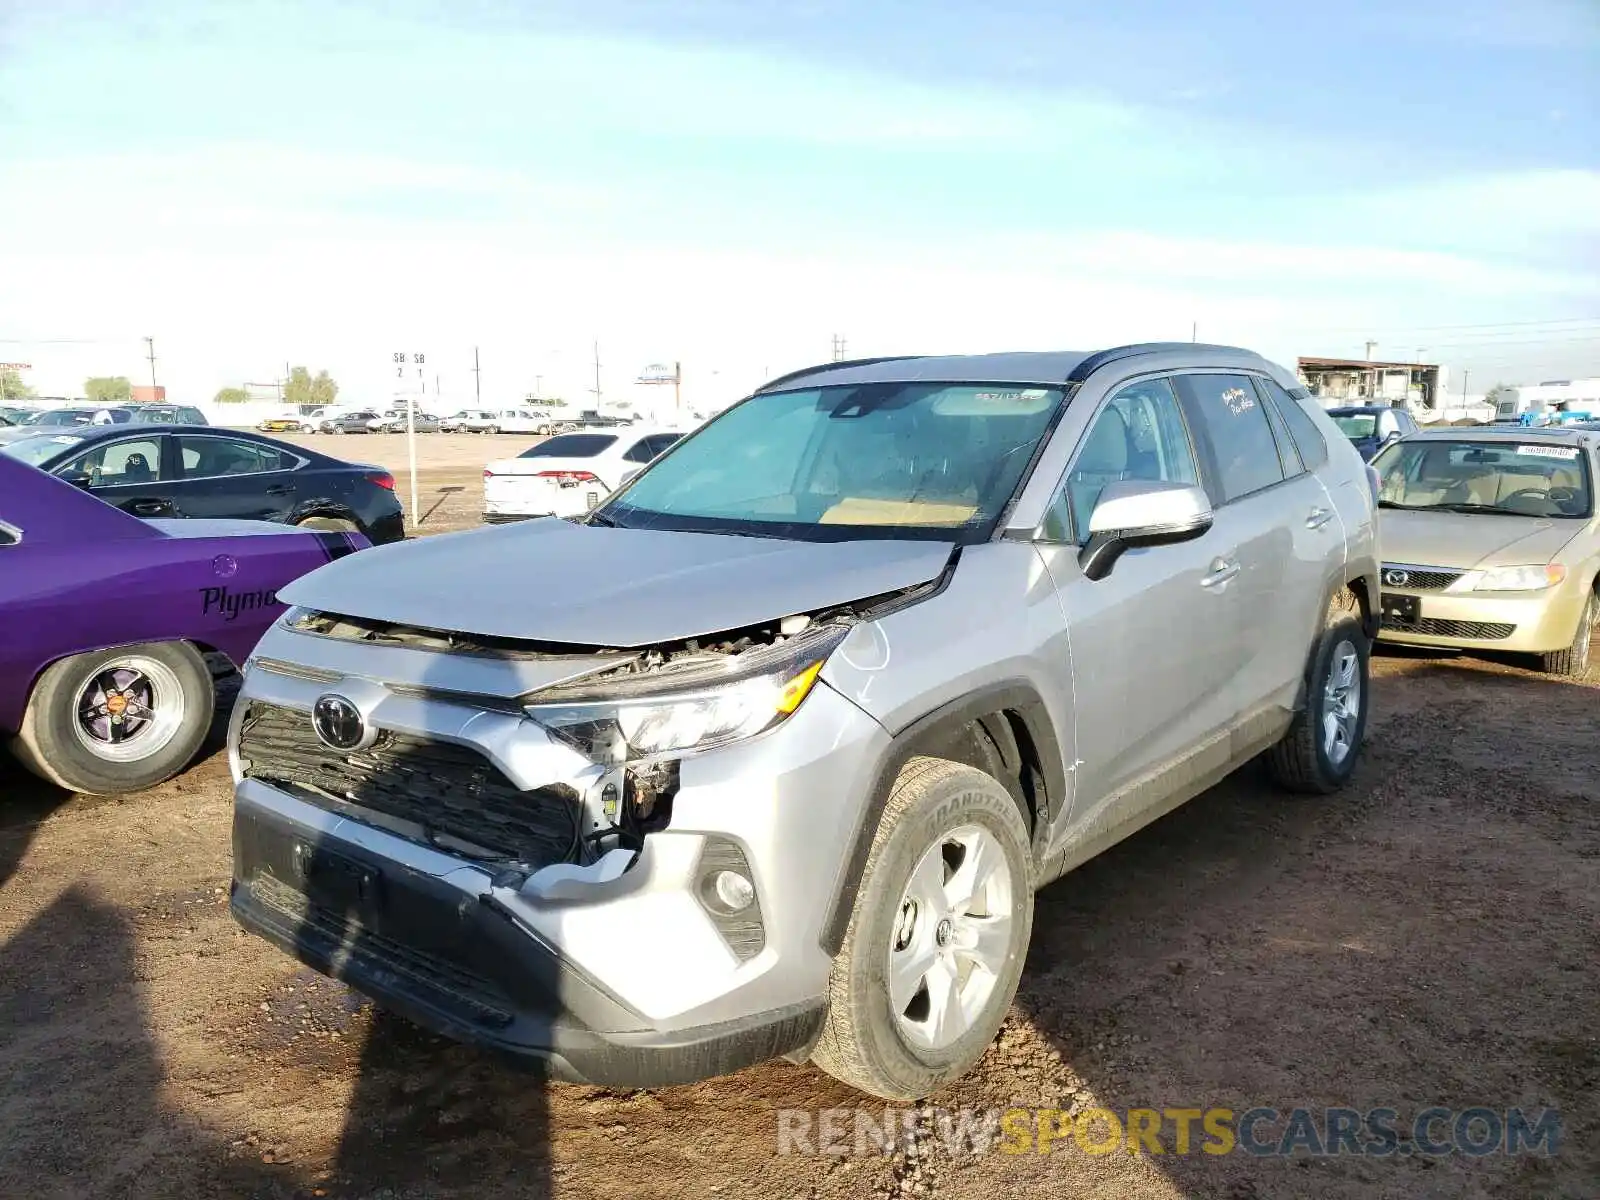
150, 414
16, 414
107, 696
178, 471
359, 421
768, 754
527, 420
47, 420
568, 474
471, 420
285, 423
1372, 427
396, 422
1491, 542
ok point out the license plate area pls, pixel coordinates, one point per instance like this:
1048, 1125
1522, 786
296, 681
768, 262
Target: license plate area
335, 881
1400, 610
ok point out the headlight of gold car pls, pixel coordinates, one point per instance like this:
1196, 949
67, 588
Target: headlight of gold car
1514, 579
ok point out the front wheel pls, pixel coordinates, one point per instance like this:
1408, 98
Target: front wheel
1573, 661
1318, 753
121, 720
936, 942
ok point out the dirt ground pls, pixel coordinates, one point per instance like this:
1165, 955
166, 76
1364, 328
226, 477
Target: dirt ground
1429, 937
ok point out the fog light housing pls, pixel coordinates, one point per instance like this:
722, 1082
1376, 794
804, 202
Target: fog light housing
727, 891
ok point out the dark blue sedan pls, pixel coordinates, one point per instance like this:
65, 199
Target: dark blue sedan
1371, 427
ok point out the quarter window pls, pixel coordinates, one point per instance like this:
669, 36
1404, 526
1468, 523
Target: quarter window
1236, 425
1139, 434
1307, 437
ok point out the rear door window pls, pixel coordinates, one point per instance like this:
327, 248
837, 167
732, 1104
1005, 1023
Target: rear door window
208, 457
1235, 426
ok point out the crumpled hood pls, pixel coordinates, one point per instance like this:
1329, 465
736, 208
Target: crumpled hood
1467, 540
550, 580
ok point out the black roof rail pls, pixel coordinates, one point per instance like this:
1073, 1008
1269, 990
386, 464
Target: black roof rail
834, 366
1117, 353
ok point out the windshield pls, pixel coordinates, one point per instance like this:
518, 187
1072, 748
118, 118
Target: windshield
914, 460
571, 445
35, 450
1356, 425
1528, 479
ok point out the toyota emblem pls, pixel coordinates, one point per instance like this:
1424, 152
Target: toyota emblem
339, 724
1397, 578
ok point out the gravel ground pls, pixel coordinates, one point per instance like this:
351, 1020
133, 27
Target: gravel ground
1428, 937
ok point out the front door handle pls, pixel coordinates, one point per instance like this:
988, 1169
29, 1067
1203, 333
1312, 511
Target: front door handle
1222, 570
1318, 517
149, 508
281, 489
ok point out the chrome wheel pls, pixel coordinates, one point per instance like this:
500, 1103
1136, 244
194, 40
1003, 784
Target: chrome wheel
1341, 703
129, 709
951, 938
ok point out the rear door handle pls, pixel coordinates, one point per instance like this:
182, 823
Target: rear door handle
1222, 570
1318, 517
149, 508
281, 489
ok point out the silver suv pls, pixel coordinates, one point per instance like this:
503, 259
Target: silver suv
768, 754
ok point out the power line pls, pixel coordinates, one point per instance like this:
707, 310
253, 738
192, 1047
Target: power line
1406, 329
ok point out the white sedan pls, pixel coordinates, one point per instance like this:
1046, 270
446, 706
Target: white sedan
569, 474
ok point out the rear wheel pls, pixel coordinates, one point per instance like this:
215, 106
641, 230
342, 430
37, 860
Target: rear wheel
935, 946
1319, 752
118, 720
1573, 661
492, 429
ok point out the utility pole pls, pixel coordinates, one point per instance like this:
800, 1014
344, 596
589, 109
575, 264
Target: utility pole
477, 380
1194, 331
597, 376
150, 353
1465, 374
677, 385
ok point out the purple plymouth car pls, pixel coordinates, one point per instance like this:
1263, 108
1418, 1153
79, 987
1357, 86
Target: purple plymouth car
105, 619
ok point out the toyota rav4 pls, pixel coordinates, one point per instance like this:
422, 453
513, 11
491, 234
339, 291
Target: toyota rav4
767, 755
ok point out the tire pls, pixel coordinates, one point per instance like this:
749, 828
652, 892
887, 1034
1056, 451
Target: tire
330, 524
171, 679
493, 429
1573, 662
868, 1041
1313, 757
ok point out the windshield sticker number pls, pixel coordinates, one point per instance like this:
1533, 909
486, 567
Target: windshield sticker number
1238, 401
1549, 451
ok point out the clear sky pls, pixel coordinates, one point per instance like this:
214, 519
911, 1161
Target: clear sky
730, 183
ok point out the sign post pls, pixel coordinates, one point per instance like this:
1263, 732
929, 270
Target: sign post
660, 373
411, 429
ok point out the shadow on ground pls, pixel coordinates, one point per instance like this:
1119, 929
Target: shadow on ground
1424, 938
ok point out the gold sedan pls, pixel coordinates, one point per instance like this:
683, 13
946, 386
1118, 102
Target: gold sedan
1491, 541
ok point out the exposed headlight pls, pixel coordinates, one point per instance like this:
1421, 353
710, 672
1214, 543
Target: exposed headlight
686, 710
1515, 579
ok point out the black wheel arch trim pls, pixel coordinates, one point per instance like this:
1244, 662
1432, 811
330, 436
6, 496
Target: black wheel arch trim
983, 708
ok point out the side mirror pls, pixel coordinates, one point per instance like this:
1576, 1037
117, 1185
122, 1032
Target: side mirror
1138, 512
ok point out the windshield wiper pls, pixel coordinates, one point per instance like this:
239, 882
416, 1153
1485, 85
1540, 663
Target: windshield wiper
1479, 508
596, 518
1397, 504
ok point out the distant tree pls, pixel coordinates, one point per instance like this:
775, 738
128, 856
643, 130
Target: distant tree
104, 389
304, 388
11, 385
231, 395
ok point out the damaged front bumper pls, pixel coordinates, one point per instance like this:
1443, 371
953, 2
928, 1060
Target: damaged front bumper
622, 971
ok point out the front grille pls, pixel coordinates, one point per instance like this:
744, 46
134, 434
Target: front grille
453, 792
1483, 631
467, 992
1418, 579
